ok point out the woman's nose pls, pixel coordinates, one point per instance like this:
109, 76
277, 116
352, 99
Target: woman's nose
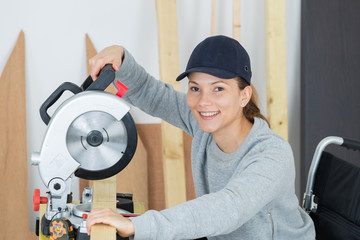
205, 99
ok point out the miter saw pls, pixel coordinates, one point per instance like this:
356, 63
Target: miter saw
91, 135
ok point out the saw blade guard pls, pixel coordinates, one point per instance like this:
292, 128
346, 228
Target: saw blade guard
91, 134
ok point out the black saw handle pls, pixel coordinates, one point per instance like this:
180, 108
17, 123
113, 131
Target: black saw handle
54, 97
106, 77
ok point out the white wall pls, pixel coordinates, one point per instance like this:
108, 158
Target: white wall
55, 48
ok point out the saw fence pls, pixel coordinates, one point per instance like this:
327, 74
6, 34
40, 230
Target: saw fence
160, 173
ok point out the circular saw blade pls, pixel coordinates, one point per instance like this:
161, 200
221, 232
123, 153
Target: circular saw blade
101, 144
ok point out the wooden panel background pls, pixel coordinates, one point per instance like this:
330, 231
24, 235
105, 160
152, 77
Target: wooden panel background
133, 179
276, 91
173, 151
13, 150
236, 27
330, 99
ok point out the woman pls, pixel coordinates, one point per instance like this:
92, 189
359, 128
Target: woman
243, 172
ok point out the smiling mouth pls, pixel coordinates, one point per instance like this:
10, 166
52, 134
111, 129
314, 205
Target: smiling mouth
208, 114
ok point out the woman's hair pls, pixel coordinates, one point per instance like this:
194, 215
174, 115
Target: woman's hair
251, 109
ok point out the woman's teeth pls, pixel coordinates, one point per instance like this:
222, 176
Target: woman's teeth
208, 114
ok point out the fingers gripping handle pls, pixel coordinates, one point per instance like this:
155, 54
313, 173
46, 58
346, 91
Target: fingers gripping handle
106, 77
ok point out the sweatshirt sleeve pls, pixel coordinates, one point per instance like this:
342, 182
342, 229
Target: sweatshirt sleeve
154, 97
224, 211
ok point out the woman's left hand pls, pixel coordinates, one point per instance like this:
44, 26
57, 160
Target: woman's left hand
123, 225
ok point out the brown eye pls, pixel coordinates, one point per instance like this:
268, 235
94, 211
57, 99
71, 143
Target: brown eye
218, 89
194, 89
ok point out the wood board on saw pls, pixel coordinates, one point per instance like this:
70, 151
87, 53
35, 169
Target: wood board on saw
14, 222
104, 196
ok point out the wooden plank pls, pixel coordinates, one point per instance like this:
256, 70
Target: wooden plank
42, 211
236, 20
213, 17
104, 196
14, 221
173, 154
276, 66
90, 52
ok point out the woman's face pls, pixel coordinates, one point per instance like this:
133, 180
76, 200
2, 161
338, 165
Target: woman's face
215, 102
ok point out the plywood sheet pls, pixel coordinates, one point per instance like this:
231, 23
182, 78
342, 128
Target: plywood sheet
13, 157
150, 135
133, 179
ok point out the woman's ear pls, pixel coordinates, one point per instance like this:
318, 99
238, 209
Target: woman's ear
245, 95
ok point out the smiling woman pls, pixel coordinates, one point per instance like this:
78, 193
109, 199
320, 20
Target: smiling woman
243, 171
217, 107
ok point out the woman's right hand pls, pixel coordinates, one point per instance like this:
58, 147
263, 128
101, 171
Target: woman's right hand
124, 226
113, 55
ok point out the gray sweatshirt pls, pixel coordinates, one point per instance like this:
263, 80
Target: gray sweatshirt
247, 194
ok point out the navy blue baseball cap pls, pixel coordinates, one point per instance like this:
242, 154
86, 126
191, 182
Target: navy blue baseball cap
219, 56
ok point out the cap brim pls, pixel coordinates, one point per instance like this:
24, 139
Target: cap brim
220, 73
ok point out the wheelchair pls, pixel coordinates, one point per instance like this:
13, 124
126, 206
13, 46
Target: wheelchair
332, 196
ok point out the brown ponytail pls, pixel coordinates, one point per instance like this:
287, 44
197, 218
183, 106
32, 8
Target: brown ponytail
251, 110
